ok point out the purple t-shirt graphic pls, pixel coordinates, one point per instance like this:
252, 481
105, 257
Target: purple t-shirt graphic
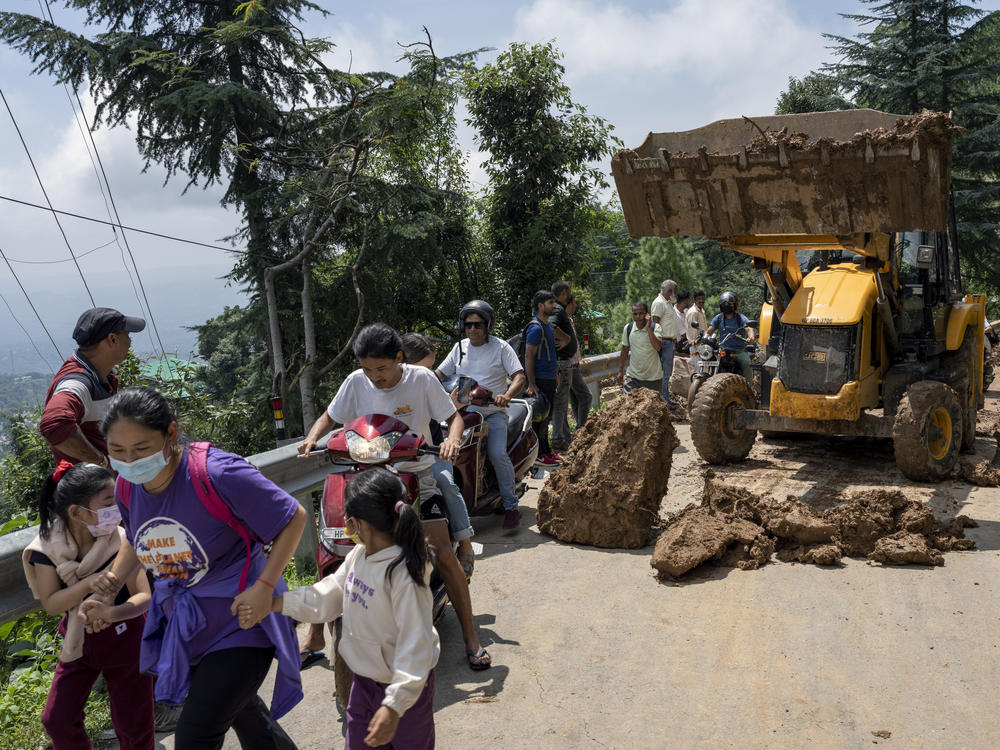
175, 537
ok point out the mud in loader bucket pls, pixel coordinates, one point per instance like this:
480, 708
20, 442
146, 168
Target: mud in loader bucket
833, 173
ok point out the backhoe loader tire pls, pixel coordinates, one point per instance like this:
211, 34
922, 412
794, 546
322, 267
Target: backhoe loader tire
716, 441
927, 433
963, 360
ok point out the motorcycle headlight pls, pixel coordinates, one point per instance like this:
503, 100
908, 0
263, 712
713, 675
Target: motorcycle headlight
371, 451
705, 351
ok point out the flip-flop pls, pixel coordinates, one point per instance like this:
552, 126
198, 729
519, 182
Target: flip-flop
310, 657
474, 660
468, 563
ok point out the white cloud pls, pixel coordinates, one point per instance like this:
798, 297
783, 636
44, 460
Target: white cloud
721, 38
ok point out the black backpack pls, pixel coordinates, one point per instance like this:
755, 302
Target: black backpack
519, 341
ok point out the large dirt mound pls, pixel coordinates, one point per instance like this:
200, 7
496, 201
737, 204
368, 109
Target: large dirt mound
736, 527
608, 491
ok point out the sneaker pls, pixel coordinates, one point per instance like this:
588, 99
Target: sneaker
546, 460
511, 518
555, 457
165, 717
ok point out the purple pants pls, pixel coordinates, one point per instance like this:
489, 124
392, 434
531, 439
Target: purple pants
416, 727
114, 652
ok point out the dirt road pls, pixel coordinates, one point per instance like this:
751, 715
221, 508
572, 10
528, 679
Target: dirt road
592, 651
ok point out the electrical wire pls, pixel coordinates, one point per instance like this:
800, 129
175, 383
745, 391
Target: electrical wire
110, 197
42, 186
63, 260
30, 303
31, 340
131, 229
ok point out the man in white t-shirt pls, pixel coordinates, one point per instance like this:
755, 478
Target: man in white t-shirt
413, 395
490, 361
662, 313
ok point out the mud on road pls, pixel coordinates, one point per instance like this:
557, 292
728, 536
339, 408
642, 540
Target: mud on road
591, 650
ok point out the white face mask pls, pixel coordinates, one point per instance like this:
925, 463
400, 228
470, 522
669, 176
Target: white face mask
141, 470
107, 520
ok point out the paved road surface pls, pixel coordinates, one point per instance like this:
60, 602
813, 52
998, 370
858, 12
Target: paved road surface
591, 651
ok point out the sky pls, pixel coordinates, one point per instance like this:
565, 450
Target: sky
643, 66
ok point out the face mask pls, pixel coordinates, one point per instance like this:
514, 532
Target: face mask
107, 520
141, 470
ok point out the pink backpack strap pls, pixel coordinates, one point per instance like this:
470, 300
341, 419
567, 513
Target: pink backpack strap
214, 504
123, 490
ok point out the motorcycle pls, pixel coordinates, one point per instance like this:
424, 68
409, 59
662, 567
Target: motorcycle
474, 473
712, 359
378, 440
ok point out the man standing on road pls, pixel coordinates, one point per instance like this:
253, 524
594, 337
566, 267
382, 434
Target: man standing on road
542, 369
663, 316
641, 342
680, 310
79, 393
489, 361
570, 379
696, 314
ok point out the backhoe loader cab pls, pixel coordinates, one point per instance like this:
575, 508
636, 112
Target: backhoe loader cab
846, 215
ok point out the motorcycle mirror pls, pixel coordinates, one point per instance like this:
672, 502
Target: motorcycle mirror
753, 323
694, 324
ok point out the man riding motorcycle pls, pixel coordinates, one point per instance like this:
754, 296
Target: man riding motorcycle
490, 361
730, 321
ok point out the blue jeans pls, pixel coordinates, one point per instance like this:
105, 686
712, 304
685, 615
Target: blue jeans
496, 449
458, 515
667, 361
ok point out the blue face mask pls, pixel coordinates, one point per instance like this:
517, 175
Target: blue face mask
141, 470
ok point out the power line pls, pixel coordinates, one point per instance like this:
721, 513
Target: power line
42, 186
30, 303
131, 229
31, 340
111, 197
63, 260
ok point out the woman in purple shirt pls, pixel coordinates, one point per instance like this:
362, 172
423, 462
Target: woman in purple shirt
192, 640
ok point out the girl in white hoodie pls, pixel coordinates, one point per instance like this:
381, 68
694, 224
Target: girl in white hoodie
381, 591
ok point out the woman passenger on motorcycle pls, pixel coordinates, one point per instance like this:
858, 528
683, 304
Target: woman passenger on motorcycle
419, 351
732, 324
414, 396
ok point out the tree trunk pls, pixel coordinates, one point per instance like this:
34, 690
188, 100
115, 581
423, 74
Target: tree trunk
307, 381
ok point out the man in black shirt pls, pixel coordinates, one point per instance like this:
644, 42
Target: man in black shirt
570, 378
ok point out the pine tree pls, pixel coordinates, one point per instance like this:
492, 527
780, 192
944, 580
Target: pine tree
942, 55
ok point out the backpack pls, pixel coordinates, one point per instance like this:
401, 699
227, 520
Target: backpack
519, 341
210, 498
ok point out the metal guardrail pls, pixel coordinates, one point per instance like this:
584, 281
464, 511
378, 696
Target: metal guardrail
299, 477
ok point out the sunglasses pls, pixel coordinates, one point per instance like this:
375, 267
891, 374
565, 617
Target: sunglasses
474, 324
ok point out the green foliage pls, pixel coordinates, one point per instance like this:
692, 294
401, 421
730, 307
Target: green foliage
300, 573
540, 212
814, 92
25, 464
658, 259
18, 391
30, 646
936, 54
227, 420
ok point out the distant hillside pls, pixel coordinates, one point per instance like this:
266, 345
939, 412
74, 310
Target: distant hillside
18, 390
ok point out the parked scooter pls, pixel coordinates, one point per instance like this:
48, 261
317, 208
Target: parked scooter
473, 471
711, 359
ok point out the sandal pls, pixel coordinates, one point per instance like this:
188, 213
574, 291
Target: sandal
468, 563
476, 663
310, 657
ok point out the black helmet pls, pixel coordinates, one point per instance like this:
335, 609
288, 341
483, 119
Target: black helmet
728, 302
478, 307
539, 406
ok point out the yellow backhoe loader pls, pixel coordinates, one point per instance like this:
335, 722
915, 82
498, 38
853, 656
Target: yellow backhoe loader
847, 215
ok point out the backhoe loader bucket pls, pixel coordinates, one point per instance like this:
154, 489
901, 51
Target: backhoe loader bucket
833, 173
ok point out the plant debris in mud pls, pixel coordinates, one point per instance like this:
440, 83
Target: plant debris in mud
735, 527
613, 478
